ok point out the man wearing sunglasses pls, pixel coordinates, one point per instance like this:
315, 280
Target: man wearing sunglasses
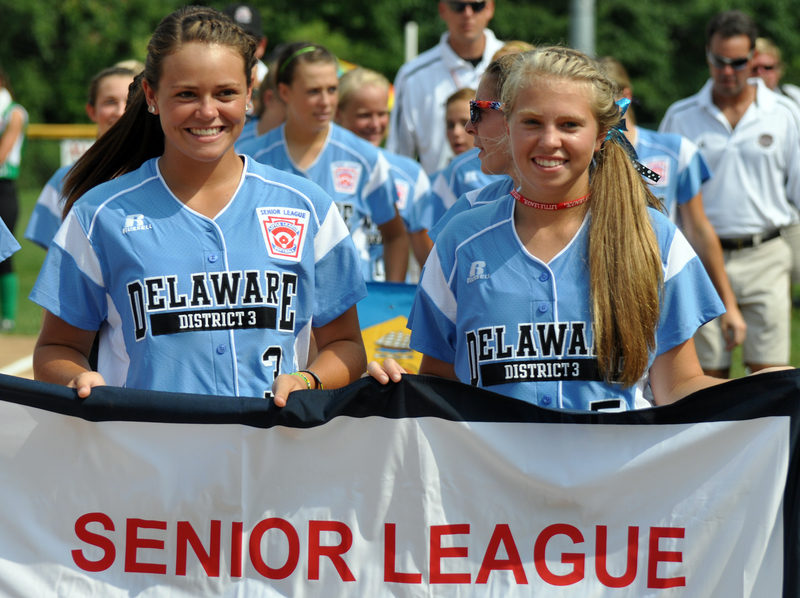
750, 137
423, 85
768, 64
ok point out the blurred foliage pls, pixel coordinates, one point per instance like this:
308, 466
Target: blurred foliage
51, 49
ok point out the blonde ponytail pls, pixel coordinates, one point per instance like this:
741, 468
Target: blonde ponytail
625, 270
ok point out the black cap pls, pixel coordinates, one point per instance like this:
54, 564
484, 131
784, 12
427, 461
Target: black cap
247, 17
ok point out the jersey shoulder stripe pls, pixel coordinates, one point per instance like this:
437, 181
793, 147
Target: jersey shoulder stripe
467, 227
424, 62
114, 197
684, 105
667, 143
459, 162
364, 153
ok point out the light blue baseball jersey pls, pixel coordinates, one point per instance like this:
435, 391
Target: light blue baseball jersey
473, 199
411, 188
683, 170
461, 175
523, 328
352, 171
8, 244
249, 132
202, 305
46, 215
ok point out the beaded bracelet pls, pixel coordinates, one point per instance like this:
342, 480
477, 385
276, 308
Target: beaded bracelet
308, 382
316, 379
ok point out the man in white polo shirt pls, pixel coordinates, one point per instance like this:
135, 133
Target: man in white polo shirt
750, 137
417, 126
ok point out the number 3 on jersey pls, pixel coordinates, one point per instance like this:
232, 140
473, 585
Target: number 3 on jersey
272, 358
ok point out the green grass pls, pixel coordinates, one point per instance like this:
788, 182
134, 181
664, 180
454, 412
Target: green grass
28, 261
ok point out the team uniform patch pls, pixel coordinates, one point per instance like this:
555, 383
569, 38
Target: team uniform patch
402, 188
661, 167
284, 231
346, 176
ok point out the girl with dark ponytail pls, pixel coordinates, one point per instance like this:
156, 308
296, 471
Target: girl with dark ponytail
203, 271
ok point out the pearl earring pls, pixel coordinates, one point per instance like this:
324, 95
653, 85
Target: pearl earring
151, 109
249, 106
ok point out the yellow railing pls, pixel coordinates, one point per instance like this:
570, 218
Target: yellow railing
46, 131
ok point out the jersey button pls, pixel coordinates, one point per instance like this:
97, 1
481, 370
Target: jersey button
544, 277
546, 400
543, 307
221, 349
212, 258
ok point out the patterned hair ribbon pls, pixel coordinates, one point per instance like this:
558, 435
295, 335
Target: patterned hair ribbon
616, 133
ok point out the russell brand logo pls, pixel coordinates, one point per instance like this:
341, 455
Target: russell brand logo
135, 222
476, 271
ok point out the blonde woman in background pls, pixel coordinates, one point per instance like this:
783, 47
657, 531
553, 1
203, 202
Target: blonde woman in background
364, 110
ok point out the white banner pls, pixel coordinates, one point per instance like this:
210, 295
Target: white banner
373, 506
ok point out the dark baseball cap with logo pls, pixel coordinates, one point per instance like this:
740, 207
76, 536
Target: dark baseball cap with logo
247, 17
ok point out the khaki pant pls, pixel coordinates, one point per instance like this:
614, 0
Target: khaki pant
760, 280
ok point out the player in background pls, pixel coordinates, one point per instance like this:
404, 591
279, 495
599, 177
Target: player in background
108, 93
683, 172
467, 173
570, 293
364, 110
13, 122
271, 110
488, 128
456, 118
202, 270
352, 171
8, 244
462, 175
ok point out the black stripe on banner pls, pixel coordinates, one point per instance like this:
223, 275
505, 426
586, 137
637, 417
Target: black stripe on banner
213, 319
546, 370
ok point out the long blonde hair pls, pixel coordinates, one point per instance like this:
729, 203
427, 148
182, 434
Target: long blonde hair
625, 268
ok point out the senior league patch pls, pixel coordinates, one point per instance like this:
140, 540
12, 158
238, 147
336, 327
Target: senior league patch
346, 176
284, 231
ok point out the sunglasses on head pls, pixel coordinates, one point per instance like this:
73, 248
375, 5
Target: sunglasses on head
737, 64
475, 109
462, 6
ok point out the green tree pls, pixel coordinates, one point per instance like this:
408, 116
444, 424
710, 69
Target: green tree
51, 49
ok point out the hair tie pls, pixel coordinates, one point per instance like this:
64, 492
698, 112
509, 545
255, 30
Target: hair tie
616, 133
295, 55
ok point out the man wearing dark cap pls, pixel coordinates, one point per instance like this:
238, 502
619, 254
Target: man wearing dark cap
249, 19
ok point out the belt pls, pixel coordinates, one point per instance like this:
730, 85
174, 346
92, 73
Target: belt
752, 241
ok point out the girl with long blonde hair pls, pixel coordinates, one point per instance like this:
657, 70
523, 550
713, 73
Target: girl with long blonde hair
574, 291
